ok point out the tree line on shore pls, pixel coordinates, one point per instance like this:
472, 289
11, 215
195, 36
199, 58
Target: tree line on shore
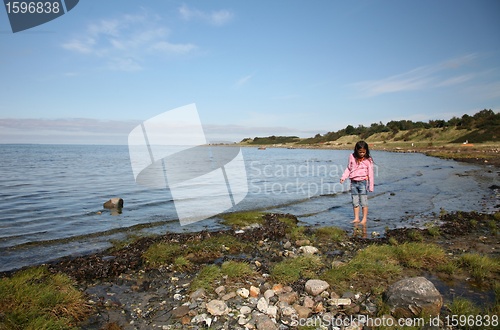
482, 126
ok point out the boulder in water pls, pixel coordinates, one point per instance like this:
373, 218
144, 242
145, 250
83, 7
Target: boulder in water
114, 203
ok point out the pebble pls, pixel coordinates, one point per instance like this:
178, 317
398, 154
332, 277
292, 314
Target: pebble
217, 307
308, 249
243, 292
315, 287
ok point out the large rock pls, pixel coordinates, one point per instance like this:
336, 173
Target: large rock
413, 297
114, 203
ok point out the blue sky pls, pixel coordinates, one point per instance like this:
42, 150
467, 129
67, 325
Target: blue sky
253, 68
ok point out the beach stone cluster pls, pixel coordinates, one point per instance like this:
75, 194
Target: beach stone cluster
160, 298
276, 306
168, 304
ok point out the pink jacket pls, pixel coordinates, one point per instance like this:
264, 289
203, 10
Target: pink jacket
359, 171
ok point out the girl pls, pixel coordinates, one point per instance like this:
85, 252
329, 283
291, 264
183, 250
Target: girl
360, 171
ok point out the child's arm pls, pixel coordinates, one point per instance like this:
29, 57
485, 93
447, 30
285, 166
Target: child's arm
370, 176
347, 170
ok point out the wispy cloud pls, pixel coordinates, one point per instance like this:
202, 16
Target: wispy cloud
66, 130
243, 80
455, 80
429, 76
124, 42
219, 17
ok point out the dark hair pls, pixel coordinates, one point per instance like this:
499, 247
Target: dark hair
362, 145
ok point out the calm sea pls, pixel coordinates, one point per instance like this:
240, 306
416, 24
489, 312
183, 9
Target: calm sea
51, 196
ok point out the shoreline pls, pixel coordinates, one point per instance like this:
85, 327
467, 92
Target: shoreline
125, 292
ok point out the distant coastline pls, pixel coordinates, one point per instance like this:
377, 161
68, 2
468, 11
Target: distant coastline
472, 139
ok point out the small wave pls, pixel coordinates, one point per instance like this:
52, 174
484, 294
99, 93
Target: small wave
92, 235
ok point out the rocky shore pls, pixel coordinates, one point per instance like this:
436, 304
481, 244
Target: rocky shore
127, 292
125, 289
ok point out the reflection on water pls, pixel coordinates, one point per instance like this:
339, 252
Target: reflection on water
361, 230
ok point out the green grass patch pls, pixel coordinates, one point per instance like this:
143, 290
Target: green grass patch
236, 269
496, 216
384, 262
467, 315
291, 270
206, 278
182, 264
479, 266
36, 299
492, 224
462, 306
211, 276
216, 246
296, 233
165, 253
330, 234
449, 267
420, 255
434, 231
291, 222
242, 219
415, 235
162, 253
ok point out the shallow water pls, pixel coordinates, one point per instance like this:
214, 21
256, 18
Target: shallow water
51, 195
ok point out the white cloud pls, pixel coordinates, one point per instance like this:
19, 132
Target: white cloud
455, 80
219, 18
242, 81
125, 41
167, 47
428, 76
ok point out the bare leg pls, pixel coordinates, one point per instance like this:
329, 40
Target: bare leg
356, 214
365, 215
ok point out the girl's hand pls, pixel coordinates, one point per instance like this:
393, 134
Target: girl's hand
341, 180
